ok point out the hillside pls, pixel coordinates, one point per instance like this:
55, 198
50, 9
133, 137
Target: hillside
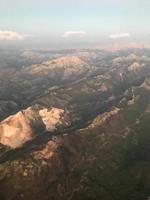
75, 126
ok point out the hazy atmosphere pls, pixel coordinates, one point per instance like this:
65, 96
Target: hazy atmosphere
70, 23
74, 100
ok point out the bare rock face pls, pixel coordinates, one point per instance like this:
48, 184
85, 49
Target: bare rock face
66, 61
25, 125
105, 117
15, 130
103, 88
146, 84
134, 67
71, 62
51, 118
132, 57
129, 58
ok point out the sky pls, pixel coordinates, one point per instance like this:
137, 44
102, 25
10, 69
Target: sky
73, 21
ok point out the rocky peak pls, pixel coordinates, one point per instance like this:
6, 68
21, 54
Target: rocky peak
26, 124
134, 67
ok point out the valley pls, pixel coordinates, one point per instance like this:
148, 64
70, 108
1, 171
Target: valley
75, 125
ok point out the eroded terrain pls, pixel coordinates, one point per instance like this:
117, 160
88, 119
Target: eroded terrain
75, 125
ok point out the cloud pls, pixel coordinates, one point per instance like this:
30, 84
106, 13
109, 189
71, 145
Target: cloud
119, 35
11, 35
68, 34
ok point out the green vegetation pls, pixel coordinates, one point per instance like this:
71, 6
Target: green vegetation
121, 170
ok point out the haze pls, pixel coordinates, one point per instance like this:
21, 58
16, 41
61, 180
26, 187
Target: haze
73, 23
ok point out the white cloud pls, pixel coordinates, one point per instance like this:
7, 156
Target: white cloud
68, 34
119, 35
11, 35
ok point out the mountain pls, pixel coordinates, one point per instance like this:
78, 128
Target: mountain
76, 126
